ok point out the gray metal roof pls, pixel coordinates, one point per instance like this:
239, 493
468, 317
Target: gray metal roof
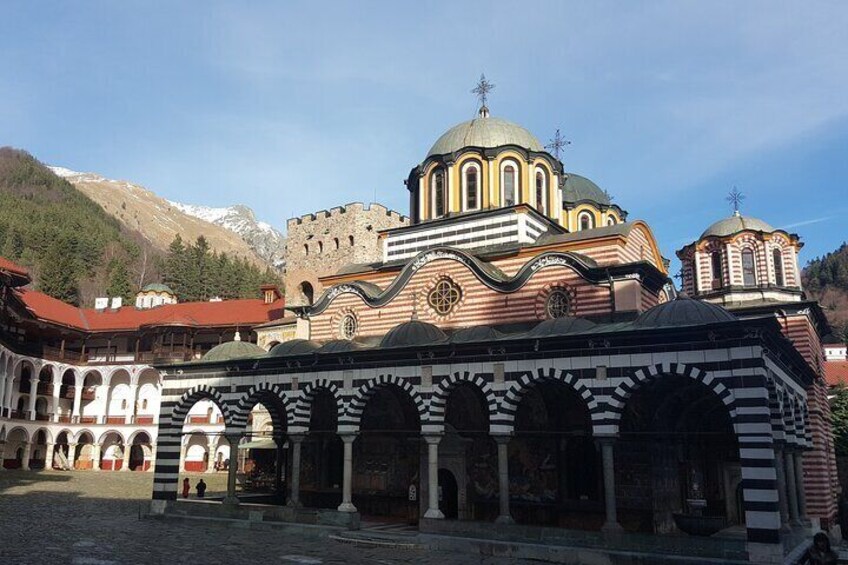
577, 188
293, 347
561, 326
487, 133
682, 311
413, 333
735, 224
233, 350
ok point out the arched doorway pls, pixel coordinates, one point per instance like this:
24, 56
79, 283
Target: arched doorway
554, 466
38, 450
386, 457
448, 494
83, 458
322, 452
140, 452
14, 453
677, 444
61, 452
307, 293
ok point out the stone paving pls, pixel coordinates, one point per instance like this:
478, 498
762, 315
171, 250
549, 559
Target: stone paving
88, 518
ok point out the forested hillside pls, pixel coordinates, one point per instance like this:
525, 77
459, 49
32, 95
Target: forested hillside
77, 252
826, 279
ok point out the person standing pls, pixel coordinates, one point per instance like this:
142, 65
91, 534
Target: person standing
186, 487
201, 488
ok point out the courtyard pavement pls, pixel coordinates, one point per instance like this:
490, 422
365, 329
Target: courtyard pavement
88, 518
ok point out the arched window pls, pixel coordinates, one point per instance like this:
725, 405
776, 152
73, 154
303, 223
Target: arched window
509, 182
715, 262
306, 248
611, 221
144, 404
541, 191
350, 239
320, 247
749, 270
336, 242
439, 196
307, 293
586, 221
471, 186
779, 279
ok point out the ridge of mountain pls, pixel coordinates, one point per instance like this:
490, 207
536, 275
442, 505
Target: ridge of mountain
233, 230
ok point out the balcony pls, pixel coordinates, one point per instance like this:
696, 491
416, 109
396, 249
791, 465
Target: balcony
44, 389
42, 417
143, 420
202, 419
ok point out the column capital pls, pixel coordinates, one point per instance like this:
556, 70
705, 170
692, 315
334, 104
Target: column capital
502, 439
433, 439
606, 440
296, 438
348, 437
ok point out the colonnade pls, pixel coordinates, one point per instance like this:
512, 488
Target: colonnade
96, 452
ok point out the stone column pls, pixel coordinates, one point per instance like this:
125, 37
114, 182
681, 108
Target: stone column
799, 480
792, 489
78, 386
213, 448
48, 457
152, 459
57, 388
296, 441
504, 516
125, 465
33, 393
433, 477
27, 452
231, 497
2, 455
183, 452
780, 468
72, 454
611, 524
131, 402
347, 481
95, 457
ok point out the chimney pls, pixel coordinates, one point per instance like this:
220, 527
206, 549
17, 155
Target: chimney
271, 293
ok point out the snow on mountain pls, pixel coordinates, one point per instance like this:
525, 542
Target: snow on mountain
266, 241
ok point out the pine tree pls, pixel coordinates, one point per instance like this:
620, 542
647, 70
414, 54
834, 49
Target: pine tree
59, 273
119, 280
14, 246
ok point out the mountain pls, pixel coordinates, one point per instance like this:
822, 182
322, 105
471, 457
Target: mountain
263, 238
826, 280
234, 231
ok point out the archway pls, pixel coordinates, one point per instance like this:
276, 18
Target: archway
263, 453
147, 404
554, 465
67, 391
61, 451
307, 293
84, 456
119, 397
15, 448
22, 386
140, 452
386, 457
468, 456
676, 445
112, 446
89, 410
321, 459
38, 450
44, 391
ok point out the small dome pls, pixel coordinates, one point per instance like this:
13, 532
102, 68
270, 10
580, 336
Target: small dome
340, 346
412, 333
293, 347
475, 333
233, 350
561, 326
577, 188
683, 311
484, 132
735, 224
157, 287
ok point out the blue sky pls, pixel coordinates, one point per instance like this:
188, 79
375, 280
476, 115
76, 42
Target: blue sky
294, 107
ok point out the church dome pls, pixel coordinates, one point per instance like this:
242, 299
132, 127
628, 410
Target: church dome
485, 132
577, 188
233, 350
340, 346
683, 311
157, 287
475, 334
561, 326
412, 333
293, 347
735, 224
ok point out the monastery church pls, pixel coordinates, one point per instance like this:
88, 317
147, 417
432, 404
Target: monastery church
510, 359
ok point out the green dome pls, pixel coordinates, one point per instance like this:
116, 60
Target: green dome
735, 224
293, 347
233, 350
683, 311
412, 333
577, 188
157, 287
486, 132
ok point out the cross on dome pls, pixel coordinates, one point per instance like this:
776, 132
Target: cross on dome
735, 198
482, 90
557, 144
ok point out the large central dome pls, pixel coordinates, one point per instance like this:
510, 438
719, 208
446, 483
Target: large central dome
485, 132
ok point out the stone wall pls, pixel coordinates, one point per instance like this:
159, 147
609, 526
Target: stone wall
320, 244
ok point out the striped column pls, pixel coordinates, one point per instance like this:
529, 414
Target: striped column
167, 468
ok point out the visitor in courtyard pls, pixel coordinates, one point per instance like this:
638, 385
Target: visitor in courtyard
201, 488
186, 487
820, 552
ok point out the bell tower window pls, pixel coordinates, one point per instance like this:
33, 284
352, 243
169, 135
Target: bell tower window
715, 263
471, 186
541, 191
749, 271
510, 185
439, 196
586, 221
779, 278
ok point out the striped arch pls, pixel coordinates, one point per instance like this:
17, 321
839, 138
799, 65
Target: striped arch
438, 402
275, 400
505, 421
190, 398
353, 415
625, 390
303, 407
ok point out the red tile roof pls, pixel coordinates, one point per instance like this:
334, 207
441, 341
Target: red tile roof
6, 265
836, 372
226, 313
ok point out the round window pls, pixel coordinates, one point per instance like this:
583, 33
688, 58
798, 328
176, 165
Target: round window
556, 306
444, 296
348, 327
